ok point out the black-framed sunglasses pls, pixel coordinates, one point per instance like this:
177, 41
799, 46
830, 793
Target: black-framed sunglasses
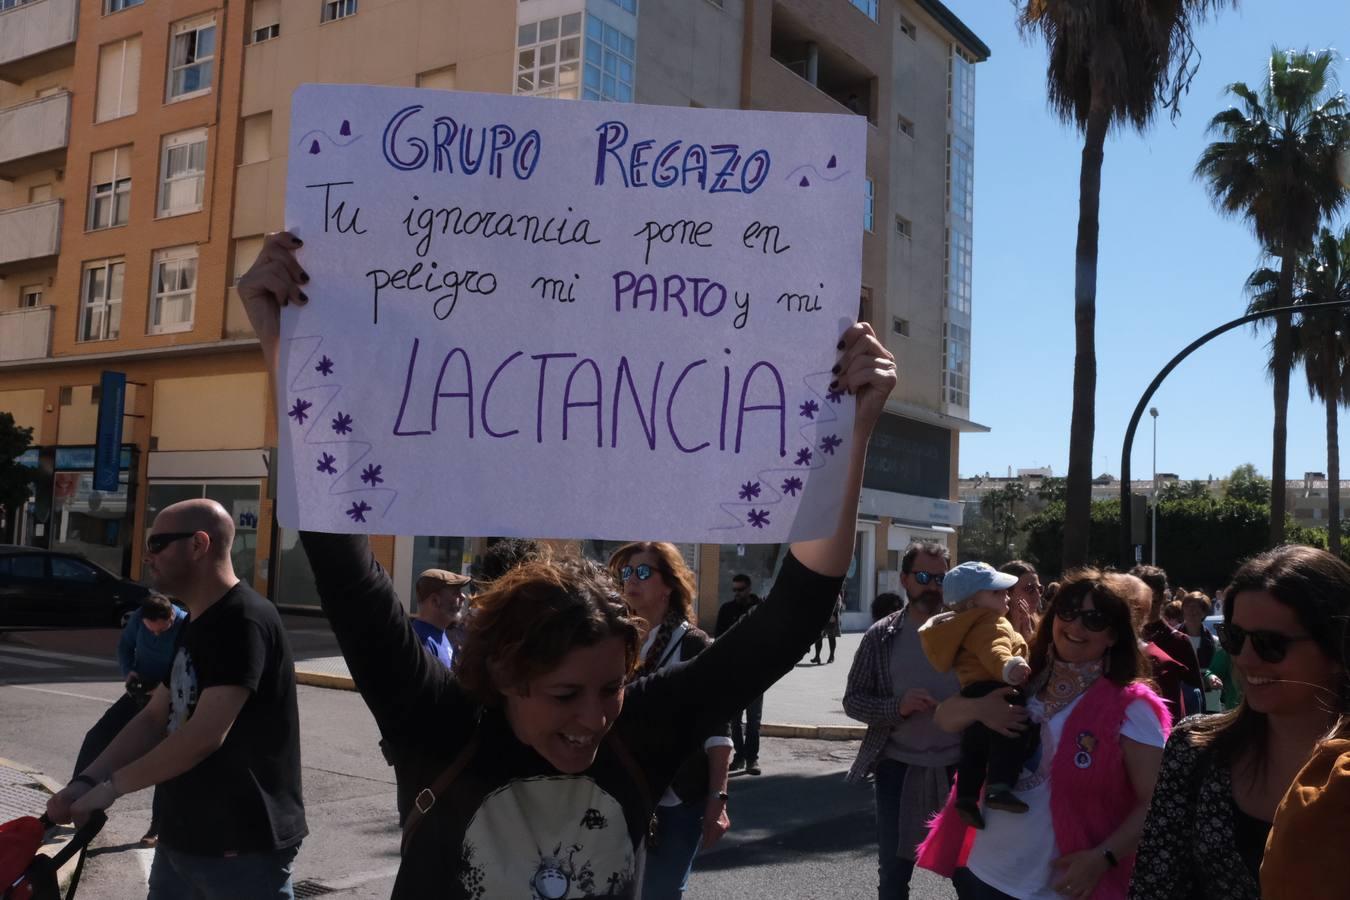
1092, 619
1270, 646
156, 543
642, 571
924, 578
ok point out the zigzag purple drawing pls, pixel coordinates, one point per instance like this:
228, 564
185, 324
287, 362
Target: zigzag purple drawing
317, 391
757, 513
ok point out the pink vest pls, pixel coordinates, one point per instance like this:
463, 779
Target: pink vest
1088, 764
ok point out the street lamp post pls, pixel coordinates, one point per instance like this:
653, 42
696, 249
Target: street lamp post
1153, 552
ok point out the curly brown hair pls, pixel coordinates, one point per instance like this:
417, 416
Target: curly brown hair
1111, 593
533, 616
673, 571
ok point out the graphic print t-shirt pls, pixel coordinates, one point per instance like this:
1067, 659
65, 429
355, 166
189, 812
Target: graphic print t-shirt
245, 797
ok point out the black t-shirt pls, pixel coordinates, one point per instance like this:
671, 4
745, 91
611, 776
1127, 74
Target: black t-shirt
245, 797
511, 825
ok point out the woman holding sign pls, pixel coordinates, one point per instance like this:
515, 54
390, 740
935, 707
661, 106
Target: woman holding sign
540, 760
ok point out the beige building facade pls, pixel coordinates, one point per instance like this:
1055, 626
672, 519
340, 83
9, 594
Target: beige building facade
151, 160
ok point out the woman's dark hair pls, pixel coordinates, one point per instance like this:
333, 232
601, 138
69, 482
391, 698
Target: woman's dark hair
1018, 568
533, 616
156, 607
1110, 593
503, 555
1173, 612
885, 604
1197, 597
1316, 586
673, 571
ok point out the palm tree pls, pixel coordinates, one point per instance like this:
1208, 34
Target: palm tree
1110, 64
1275, 166
1322, 344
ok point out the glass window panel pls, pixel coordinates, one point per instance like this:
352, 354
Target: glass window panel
524, 84
567, 74
567, 93
626, 71
548, 54
548, 78
526, 35
624, 93
612, 37
592, 95
611, 87
592, 77
525, 61
593, 51
571, 49
627, 46
594, 28
611, 64
206, 42
548, 30
571, 24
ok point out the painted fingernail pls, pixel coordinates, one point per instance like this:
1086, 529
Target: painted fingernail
299, 243
304, 298
839, 346
834, 384
304, 278
835, 370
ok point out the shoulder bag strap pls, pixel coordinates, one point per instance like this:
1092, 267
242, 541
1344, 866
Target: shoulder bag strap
425, 800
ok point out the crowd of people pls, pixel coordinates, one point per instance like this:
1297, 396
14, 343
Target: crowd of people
570, 731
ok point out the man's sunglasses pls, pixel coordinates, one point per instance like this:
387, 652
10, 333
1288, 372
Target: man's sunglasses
1271, 646
643, 572
156, 543
1092, 619
924, 578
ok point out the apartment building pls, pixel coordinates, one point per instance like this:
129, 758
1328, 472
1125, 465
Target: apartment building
134, 233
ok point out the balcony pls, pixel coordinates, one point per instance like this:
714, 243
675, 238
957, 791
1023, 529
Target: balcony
37, 37
34, 135
26, 333
830, 70
30, 236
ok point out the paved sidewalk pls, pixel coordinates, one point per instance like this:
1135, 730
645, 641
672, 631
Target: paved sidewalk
24, 792
805, 703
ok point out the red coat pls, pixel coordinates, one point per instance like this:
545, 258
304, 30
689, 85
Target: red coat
1169, 676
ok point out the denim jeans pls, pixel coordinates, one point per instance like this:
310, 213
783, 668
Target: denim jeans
186, 876
679, 833
747, 744
893, 873
969, 887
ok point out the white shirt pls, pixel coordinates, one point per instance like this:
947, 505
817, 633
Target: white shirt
1014, 853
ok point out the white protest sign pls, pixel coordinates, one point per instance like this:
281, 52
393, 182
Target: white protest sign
567, 319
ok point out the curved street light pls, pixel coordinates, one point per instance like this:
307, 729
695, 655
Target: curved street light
1126, 513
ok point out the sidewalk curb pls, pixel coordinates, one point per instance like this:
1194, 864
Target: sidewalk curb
63, 834
767, 729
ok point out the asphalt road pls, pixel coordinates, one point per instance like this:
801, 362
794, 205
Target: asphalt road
797, 830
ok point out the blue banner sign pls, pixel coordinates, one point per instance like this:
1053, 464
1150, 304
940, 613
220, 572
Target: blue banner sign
108, 442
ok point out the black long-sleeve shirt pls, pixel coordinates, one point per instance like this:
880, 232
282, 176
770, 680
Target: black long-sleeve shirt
511, 823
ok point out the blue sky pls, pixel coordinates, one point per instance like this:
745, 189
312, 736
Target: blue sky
1170, 267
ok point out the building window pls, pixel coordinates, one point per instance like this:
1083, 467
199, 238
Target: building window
609, 62
109, 188
904, 227
958, 271
264, 17
629, 6
173, 287
257, 144
900, 326
904, 126
337, 9
266, 32
113, 6
119, 79
439, 79
956, 365
961, 90
869, 7
30, 296
182, 172
101, 300
192, 57
909, 29
548, 58
869, 207
961, 179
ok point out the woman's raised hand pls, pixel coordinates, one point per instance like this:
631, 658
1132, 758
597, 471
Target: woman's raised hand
273, 281
866, 369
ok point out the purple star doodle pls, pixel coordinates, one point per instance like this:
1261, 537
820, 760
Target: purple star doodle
300, 411
830, 444
343, 423
791, 486
359, 510
809, 409
326, 464
804, 456
834, 396
758, 518
325, 367
371, 475
749, 490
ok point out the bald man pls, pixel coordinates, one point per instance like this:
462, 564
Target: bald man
221, 734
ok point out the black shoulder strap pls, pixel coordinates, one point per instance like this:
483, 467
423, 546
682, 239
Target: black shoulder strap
425, 800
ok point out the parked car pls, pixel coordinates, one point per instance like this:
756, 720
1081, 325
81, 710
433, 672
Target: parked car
48, 588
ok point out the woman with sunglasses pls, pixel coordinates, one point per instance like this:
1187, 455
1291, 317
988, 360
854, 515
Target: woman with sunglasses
692, 814
1285, 627
1087, 789
533, 767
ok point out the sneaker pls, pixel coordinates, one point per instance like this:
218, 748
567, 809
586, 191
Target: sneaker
150, 838
969, 811
752, 767
816, 660
737, 763
1005, 800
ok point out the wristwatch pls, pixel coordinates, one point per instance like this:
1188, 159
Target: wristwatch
1110, 858
723, 796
